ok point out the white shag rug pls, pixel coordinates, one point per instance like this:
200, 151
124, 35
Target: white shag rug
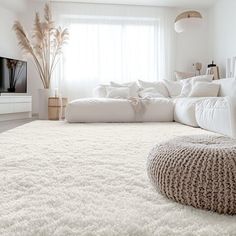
90, 179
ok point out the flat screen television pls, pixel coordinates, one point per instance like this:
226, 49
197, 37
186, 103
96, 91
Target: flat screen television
13, 76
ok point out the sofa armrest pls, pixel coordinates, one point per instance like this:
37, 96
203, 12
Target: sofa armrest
215, 114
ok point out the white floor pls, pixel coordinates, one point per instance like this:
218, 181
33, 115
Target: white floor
90, 179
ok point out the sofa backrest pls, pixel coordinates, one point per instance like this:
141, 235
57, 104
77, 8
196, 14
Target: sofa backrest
227, 87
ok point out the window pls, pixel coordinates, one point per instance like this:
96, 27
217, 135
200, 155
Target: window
121, 50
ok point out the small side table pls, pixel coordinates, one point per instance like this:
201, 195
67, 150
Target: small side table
56, 108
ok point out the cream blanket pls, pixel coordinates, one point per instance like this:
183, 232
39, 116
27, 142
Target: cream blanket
139, 106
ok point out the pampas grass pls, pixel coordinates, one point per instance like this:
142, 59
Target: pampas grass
44, 46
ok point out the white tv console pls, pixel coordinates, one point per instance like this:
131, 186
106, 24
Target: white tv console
13, 107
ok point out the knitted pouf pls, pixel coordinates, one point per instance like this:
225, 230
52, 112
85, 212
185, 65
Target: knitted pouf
198, 171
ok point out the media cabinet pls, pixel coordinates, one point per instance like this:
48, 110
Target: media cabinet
15, 107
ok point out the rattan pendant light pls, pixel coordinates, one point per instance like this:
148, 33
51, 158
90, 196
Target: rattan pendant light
188, 20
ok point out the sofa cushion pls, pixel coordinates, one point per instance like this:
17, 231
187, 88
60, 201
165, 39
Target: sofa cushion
204, 89
227, 87
150, 93
119, 110
100, 91
133, 87
183, 75
187, 84
217, 115
159, 110
174, 88
121, 92
184, 111
157, 87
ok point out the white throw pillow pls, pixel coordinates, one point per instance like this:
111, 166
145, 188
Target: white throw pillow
201, 78
133, 87
159, 87
204, 89
122, 92
174, 87
150, 93
227, 87
183, 75
100, 91
189, 83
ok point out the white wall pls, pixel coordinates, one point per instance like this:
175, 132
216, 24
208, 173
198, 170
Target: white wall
193, 46
223, 27
27, 20
8, 42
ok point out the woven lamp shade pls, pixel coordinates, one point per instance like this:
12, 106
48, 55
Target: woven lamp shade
187, 21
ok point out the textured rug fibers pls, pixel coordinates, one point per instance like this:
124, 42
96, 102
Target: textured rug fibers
90, 179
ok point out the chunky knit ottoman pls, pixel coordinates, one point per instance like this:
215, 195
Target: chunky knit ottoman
198, 171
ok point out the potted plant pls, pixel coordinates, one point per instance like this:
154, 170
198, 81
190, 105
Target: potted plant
44, 47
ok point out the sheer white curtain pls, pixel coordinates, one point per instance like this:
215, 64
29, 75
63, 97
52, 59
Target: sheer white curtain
101, 50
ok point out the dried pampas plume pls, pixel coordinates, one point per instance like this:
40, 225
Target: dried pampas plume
45, 44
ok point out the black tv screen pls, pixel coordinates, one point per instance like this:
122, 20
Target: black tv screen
13, 76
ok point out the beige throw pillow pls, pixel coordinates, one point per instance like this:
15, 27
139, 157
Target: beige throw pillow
183, 75
204, 89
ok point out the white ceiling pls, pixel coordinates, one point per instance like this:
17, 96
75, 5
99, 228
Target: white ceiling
21, 4
166, 3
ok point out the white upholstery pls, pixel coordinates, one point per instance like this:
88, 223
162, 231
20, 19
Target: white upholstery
132, 86
121, 92
150, 93
100, 91
174, 88
159, 110
232, 104
184, 111
227, 87
118, 110
157, 87
203, 89
188, 84
214, 114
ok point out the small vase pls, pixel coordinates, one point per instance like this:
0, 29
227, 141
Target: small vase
43, 103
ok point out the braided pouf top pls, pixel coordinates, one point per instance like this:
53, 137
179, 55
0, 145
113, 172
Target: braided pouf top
199, 171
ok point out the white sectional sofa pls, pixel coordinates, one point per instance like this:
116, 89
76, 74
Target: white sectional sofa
215, 111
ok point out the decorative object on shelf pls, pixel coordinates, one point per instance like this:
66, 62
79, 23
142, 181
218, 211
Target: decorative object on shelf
44, 47
56, 108
197, 67
231, 67
188, 20
213, 69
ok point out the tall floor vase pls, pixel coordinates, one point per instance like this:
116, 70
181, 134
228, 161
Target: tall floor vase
43, 95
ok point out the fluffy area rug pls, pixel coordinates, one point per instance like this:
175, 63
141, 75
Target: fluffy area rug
90, 179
